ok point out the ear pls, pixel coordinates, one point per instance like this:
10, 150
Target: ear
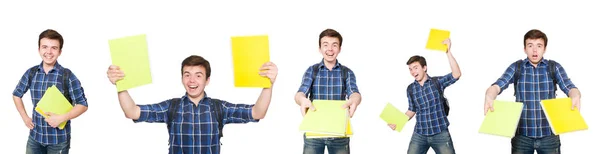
207, 81
425, 68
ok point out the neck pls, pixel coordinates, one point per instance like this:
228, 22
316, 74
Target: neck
47, 67
196, 100
329, 65
423, 80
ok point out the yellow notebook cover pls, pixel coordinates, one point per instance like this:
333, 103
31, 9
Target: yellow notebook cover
131, 55
560, 116
436, 37
504, 120
328, 118
249, 54
391, 115
349, 133
53, 101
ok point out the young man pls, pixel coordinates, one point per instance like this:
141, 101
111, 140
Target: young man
535, 83
425, 100
195, 110
325, 81
44, 134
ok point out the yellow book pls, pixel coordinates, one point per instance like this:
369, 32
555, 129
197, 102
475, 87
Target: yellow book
436, 37
560, 116
329, 118
249, 54
53, 101
131, 55
349, 133
504, 120
391, 115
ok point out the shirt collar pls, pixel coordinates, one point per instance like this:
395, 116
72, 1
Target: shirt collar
544, 61
56, 67
322, 64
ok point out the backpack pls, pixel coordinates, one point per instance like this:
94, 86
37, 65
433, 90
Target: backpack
315, 69
441, 93
64, 78
216, 104
551, 68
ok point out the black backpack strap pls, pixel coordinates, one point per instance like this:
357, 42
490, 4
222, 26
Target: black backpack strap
315, 71
217, 105
65, 83
344, 78
517, 75
552, 70
441, 93
31, 74
172, 111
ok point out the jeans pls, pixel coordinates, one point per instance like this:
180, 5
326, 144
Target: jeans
526, 145
34, 147
335, 145
441, 143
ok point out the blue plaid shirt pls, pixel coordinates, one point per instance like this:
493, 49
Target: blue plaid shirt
426, 102
328, 84
535, 85
42, 132
194, 128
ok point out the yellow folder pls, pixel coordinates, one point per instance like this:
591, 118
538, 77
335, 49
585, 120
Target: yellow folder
391, 115
349, 133
560, 116
131, 55
53, 101
504, 120
436, 37
249, 54
329, 118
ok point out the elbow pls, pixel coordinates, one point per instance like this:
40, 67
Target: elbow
456, 75
258, 116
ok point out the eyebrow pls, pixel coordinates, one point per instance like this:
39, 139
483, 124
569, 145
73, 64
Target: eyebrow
191, 73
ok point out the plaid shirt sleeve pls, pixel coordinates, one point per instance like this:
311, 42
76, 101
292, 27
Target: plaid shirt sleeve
351, 84
153, 113
563, 81
306, 81
447, 80
411, 106
237, 113
506, 78
22, 86
76, 91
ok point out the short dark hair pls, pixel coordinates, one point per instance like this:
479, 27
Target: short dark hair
535, 34
195, 60
53, 35
330, 33
417, 58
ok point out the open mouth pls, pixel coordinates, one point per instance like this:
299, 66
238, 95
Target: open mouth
329, 53
193, 87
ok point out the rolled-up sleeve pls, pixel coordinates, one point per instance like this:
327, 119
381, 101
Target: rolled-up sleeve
153, 113
76, 91
563, 80
411, 106
237, 113
351, 84
306, 81
447, 80
22, 86
506, 78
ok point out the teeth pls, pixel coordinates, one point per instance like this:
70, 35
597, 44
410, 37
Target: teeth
193, 86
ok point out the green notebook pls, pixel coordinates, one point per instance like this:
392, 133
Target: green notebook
53, 101
504, 120
328, 118
391, 115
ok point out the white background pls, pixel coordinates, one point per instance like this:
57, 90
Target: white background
486, 37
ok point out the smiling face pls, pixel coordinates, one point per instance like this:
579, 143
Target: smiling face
194, 80
330, 48
417, 71
49, 51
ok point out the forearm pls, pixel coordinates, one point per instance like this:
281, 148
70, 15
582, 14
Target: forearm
492, 92
128, 106
20, 107
262, 104
574, 93
410, 114
299, 96
453, 65
76, 112
355, 98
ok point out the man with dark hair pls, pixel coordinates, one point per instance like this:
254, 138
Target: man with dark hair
535, 79
195, 110
426, 99
45, 136
328, 80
